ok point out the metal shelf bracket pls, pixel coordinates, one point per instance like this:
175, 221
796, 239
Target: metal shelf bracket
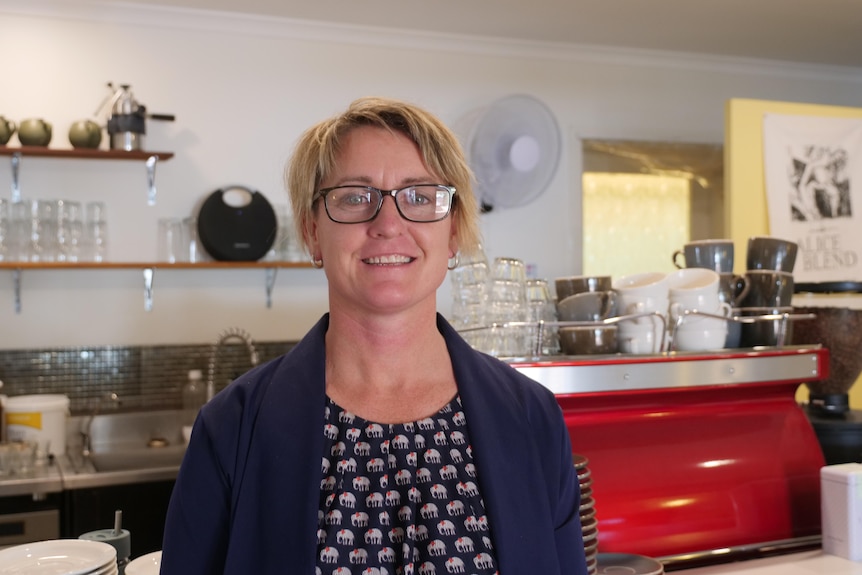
148, 288
270, 283
16, 187
16, 281
151, 179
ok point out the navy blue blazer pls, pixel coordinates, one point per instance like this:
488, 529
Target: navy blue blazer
247, 495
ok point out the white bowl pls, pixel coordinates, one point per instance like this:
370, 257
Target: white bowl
148, 564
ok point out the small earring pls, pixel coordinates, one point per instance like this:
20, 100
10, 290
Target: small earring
456, 260
316, 263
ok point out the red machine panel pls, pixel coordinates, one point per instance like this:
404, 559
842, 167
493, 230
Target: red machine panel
694, 452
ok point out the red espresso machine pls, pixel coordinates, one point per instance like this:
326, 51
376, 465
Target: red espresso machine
695, 456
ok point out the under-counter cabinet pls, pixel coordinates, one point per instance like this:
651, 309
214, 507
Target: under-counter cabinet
144, 507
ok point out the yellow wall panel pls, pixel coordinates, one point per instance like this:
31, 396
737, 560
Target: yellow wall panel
746, 211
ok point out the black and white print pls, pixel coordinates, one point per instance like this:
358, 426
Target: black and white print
820, 184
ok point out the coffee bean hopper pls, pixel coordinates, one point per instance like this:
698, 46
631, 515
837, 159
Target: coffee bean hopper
127, 118
838, 327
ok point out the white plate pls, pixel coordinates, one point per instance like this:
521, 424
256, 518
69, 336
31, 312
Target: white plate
57, 557
110, 569
145, 564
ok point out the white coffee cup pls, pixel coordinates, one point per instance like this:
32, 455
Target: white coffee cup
641, 338
642, 293
690, 311
710, 335
692, 281
652, 284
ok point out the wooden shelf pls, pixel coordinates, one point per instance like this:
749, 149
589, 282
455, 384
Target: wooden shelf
149, 269
82, 153
150, 158
150, 265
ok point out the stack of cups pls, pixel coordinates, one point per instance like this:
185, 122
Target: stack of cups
697, 290
96, 234
469, 299
507, 303
588, 301
70, 231
35, 230
541, 308
717, 255
44, 231
5, 231
769, 274
638, 294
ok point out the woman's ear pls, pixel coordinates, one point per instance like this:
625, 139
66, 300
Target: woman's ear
309, 233
453, 237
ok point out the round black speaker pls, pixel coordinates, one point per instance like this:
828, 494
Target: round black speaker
237, 224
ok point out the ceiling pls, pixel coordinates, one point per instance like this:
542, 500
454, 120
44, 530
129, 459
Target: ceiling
802, 31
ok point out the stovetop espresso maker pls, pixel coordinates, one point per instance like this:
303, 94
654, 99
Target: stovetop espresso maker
127, 118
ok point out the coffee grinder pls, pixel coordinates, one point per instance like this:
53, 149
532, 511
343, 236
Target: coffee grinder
127, 119
838, 428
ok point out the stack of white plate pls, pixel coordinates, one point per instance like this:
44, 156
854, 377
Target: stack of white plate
589, 523
148, 564
59, 557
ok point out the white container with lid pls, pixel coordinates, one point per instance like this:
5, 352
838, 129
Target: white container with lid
39, 418
841, 509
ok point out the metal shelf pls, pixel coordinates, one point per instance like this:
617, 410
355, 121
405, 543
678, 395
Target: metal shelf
676, 370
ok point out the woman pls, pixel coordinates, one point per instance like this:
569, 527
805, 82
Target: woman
381, 443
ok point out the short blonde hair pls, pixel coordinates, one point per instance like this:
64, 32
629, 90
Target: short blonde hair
316, 154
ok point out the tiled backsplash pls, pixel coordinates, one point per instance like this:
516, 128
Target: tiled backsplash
143, 378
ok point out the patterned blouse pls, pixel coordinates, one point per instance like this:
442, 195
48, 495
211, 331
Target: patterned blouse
401, 498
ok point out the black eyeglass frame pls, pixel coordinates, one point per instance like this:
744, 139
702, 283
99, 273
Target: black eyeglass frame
321, 194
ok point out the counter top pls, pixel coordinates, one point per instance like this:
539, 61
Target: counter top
41, 479
65, 475
806, 563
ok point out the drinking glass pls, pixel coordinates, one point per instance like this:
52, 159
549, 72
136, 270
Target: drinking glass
192, 250
37, 221
70, 231
511, 269
19, 236
5, 230
170, 241
96, 232
541, 307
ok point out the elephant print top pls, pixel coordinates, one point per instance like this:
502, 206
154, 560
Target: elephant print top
401, 498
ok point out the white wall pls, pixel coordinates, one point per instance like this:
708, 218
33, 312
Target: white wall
243, 88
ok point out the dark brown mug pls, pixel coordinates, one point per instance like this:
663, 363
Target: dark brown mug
768, 289
768, 253
732, 289
571, 285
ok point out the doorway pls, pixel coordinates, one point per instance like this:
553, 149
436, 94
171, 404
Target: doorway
644, 200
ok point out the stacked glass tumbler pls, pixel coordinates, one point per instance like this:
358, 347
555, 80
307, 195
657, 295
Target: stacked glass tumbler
469, 299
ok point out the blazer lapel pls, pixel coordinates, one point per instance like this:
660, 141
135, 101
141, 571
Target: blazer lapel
290, 440
509, 472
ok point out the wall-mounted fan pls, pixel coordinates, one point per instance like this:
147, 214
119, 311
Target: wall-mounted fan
513, 147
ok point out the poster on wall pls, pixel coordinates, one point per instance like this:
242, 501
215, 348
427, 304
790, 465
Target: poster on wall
813, 171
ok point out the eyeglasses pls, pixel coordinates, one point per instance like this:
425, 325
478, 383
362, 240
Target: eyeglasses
357, 204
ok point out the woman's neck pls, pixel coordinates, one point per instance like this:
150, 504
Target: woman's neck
388, 369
